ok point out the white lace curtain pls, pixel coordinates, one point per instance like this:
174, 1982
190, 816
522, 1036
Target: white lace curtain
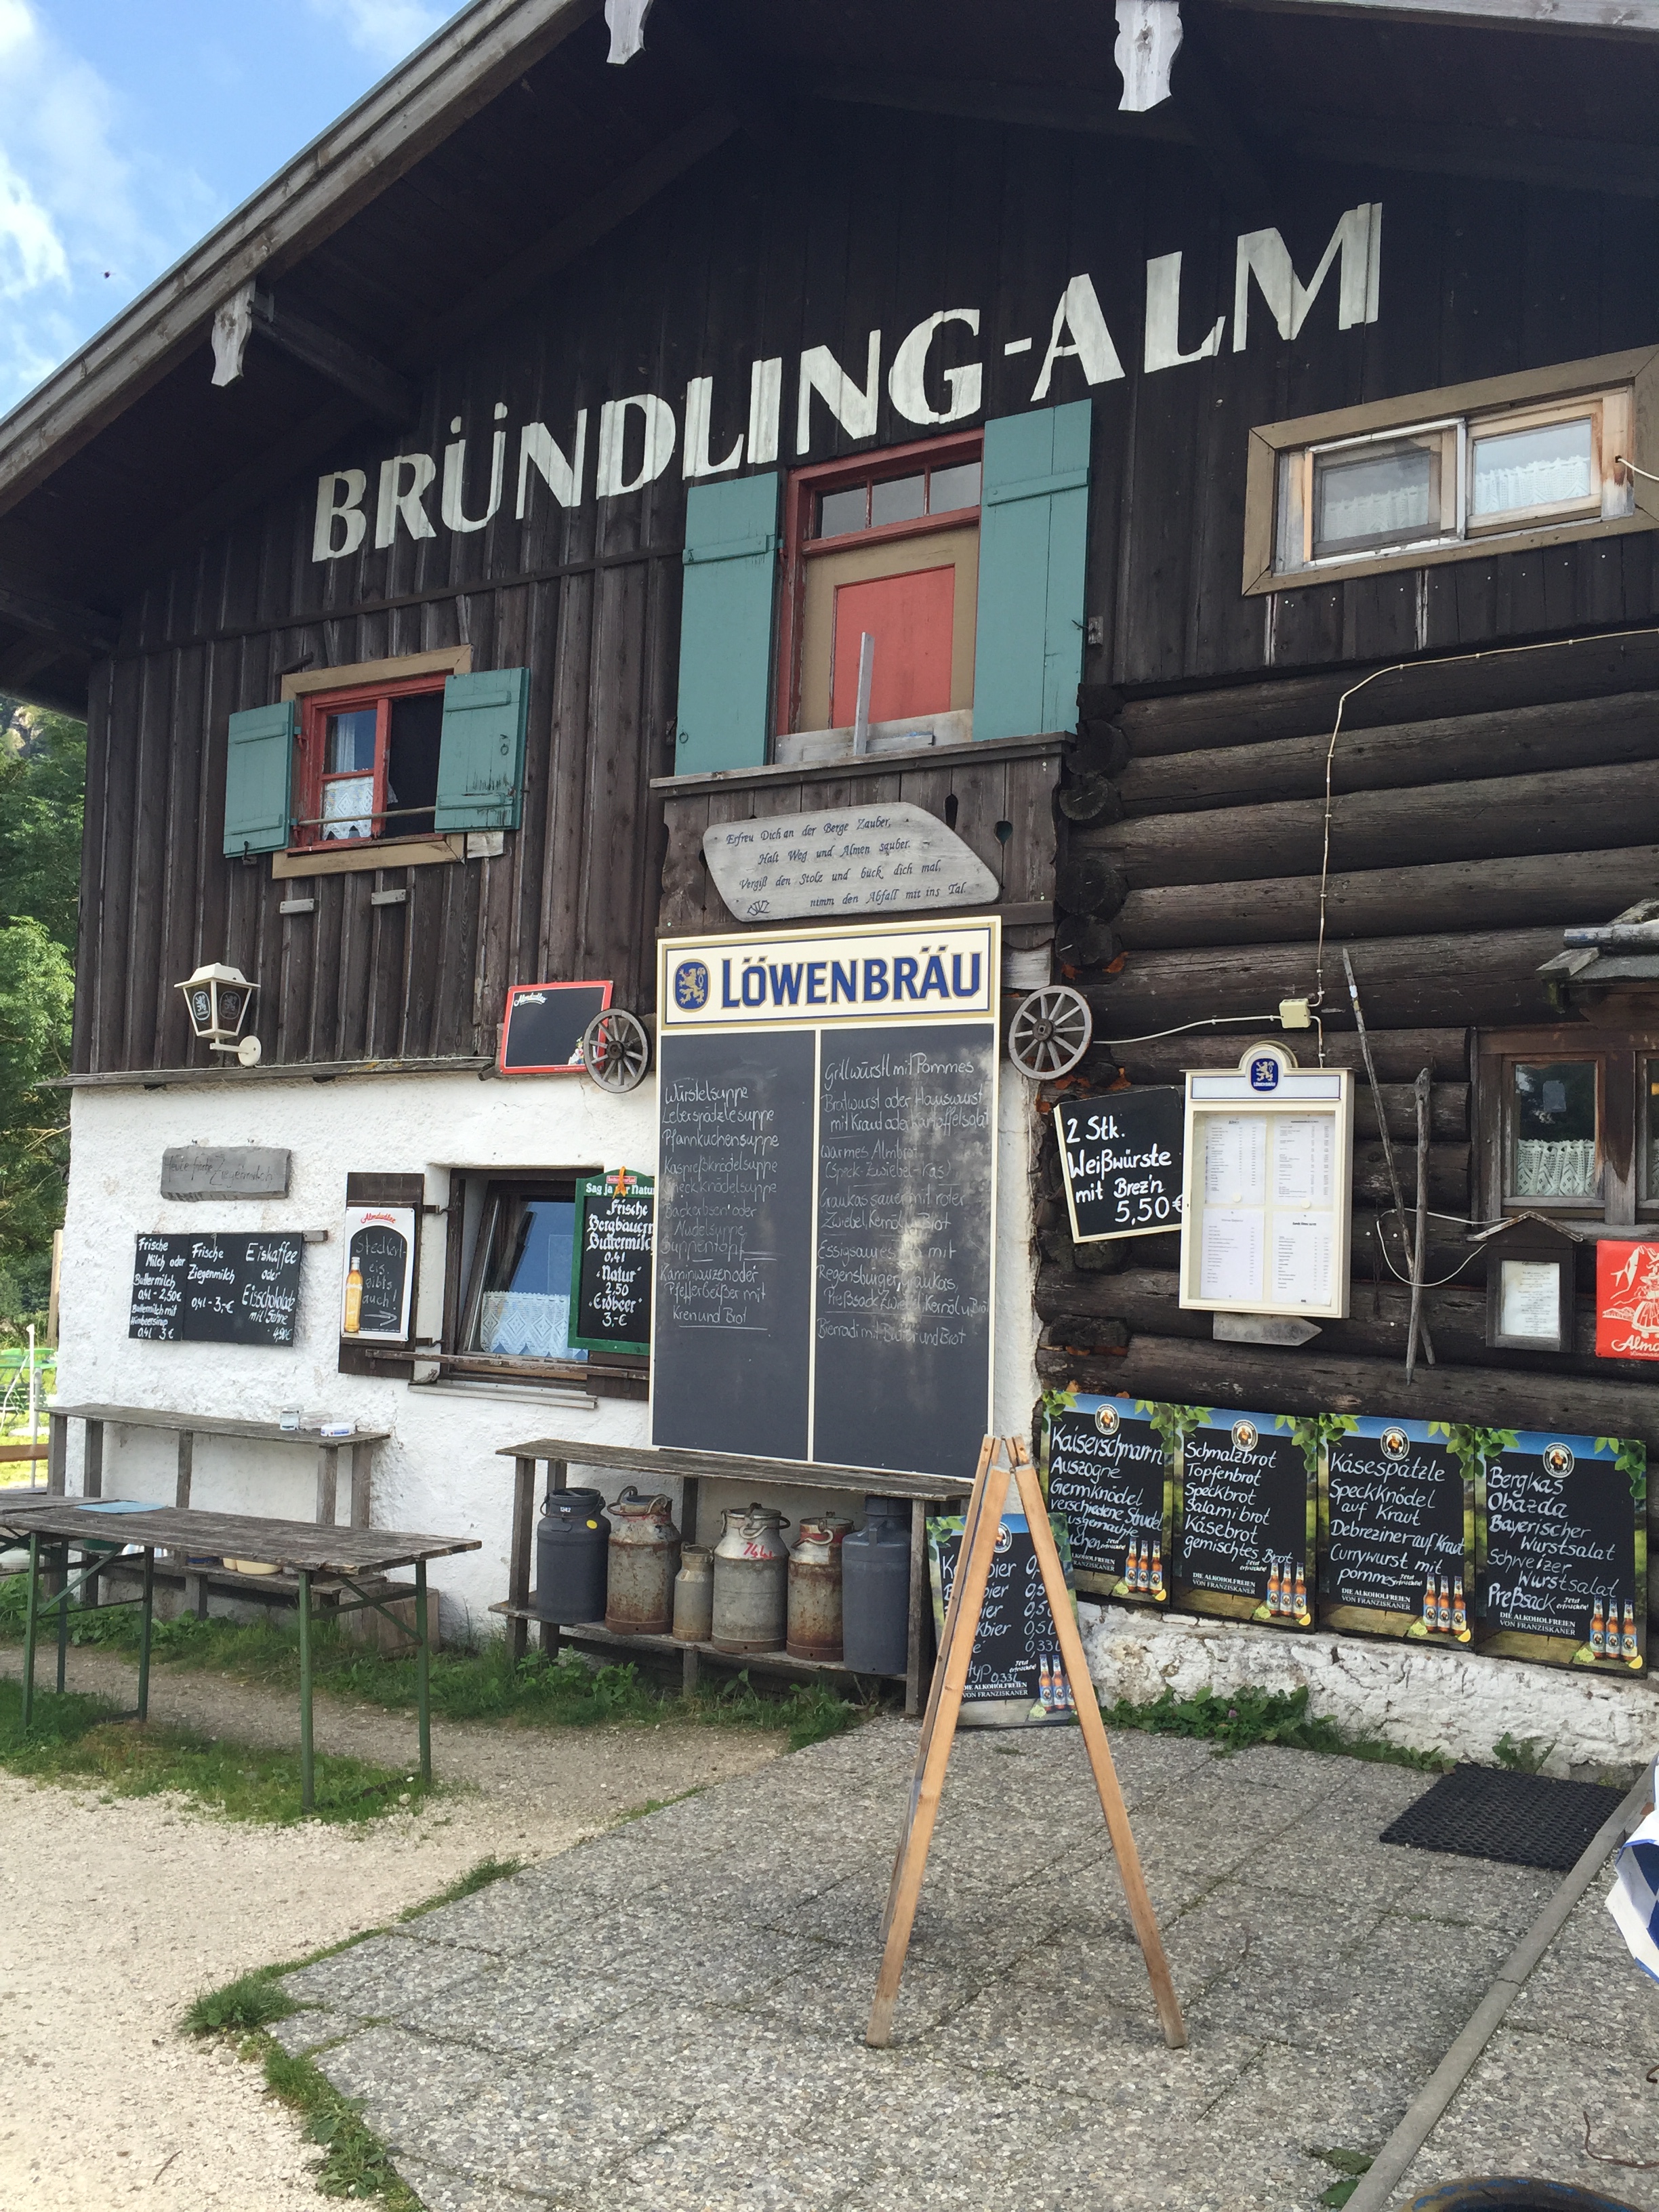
1555, 1170
526, 1325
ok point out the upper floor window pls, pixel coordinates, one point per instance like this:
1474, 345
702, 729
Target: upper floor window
368, 762
1569, 1124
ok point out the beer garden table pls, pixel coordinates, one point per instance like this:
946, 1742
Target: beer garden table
341, 1558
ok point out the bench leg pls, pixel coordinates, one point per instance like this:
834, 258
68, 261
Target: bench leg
31, 1624
423, 1670
148, 1613
308, 1764
63, 1625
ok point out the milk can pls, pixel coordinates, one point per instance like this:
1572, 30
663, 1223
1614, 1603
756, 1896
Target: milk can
694, 1594
645, 1557
751, 1573
876, 1589
571, 1538
814, 1589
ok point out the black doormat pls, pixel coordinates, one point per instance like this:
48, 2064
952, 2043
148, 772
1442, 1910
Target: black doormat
1491, 1813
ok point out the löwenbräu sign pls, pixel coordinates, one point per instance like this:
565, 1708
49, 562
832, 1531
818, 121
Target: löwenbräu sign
826, 1191
220, 1288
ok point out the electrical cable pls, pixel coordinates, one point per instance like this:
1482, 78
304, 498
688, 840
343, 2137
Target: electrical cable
1210, 1021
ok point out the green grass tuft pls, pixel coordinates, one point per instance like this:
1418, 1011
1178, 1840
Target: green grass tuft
355, 2162
251, 2002
1248, 1716
466, 1885
1526, 1757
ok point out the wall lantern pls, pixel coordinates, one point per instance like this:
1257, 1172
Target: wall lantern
1531, 1270
217, 1000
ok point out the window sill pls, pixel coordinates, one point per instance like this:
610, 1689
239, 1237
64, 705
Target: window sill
785, 772
517, 1392
807, 748
362, 859
1433, 555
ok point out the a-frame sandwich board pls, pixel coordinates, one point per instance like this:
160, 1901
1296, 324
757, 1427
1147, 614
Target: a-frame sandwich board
981, 1525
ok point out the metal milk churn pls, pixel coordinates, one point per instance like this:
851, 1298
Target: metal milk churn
752, 1580
645, 1558
694, 1594
571, 1538
814, 1589
876, 1589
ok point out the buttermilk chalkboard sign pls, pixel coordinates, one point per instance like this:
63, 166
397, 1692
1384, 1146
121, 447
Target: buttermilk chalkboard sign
611, 1259
1561, 1547
826, 1195
1110, 1477
1016, 1667
221, 1289
1122, 1161
1246, 1515
1396, 1511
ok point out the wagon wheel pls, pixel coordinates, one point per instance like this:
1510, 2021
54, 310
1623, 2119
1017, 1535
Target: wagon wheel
1050, 1032
615, 1050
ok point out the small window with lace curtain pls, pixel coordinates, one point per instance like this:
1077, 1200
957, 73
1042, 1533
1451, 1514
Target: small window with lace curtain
1568, 1124
517, 1301
1554, 1131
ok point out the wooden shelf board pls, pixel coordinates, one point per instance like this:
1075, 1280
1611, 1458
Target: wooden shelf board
776, 1662
721, 1466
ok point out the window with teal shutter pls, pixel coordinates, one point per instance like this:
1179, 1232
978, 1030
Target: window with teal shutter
1033, 567
725, 717
259, 770
481, 753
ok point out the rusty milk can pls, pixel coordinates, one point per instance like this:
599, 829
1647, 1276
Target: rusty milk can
751, 1572
694, 1594
644, 1559
814, 1589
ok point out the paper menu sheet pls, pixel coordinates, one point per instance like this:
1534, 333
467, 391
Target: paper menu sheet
1304, 1158
1529, 1298
1235, 1160
1231, 1252
1302, 1259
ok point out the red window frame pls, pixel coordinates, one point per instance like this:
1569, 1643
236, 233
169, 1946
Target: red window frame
805, 487
315, 707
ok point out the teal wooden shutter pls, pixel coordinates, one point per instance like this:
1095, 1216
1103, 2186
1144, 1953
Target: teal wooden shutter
481, 750
258, 767
1033, 564
725, 624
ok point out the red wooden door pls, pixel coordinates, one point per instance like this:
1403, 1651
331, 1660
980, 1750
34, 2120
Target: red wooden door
911, 619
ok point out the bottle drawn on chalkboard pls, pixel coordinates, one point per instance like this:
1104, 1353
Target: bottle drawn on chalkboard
1132, 1563
1158, 1568
1045, 1684
1144, 1568
1460, 1609
354, 1300
1301, 1606
1629, 1644
1273, 1585
1431, 1606
1598, 1639
1444, 1608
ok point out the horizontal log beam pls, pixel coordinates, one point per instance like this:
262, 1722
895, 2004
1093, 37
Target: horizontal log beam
1584, 809
1513, 741
76, 628
395, 398
1521, 890
1397, 1053
1485, 978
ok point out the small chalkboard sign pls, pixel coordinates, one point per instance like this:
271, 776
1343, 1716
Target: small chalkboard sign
1109, 1476
379, 1273
543, 1031
225, 1289
1561, 1547
1248, 1515
1396, 1510
1016, 1664
611, 1263
1122, 1160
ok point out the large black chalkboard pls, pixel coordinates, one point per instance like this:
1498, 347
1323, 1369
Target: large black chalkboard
1560, 1527
1109, 1477
1121, 1157
1015, 1651
731, 1311
225, 1289
907, 1150
611, 1265
1245, 1544
1398, 1530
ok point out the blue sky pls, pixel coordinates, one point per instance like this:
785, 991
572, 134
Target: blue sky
129, 127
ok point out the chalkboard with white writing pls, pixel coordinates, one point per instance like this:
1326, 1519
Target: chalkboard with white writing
1397, 1529
1247, 1509
1109, 1473
1016, 1665
610, 1264
1121, 1156
220, 1288
1561, 1547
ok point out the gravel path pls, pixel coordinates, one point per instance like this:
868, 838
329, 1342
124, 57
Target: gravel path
132, 1907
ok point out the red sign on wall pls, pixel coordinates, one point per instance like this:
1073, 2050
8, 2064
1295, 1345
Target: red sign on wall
1627, 1301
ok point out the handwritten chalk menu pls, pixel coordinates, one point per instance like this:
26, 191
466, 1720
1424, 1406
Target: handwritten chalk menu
1561, 1540
610, 1264
1122, 1161
1016, 1652
215, 1289
826, 1195
1247, 1516
377, 1286
1268, 1166
1111, 1480
1398, 1526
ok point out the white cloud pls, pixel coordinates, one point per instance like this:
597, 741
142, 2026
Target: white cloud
388, 29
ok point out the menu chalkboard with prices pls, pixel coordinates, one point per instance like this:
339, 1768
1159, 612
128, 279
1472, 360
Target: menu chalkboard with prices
1109, 1476
1015, 1676
1247, 1506
1396, 1528
611, 1263
241, 1289
1561, 1548
1122, 1159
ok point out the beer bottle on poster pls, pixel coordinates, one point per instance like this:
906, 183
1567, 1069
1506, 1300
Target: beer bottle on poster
1598, 1642
1301, 1590
354, 1300
1144, 1570
1445, 1606
1630, 1646
1431, 1606
1460, 1609
1273, 1586
1158, 1568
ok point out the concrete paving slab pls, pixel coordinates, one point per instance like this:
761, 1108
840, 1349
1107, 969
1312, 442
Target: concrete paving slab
387, 1975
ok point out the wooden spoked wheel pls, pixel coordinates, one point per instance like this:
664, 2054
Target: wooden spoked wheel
1050, 1032
615, 1050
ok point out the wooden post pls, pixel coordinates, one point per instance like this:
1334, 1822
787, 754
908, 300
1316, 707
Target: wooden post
919, 1594
56, 1454
518, 1571
195, 1588
92, 1467
328, 1485
362, 1478
1420, 1239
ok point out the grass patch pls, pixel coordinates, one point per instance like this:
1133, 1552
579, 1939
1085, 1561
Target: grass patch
75, 1739
242, 2006
1250, 1717
466, 1885
355, 2162
1526, 1757
483, 1685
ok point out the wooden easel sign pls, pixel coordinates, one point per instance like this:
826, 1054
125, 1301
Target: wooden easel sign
939, 1728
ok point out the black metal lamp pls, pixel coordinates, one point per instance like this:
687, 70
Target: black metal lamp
217, 999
